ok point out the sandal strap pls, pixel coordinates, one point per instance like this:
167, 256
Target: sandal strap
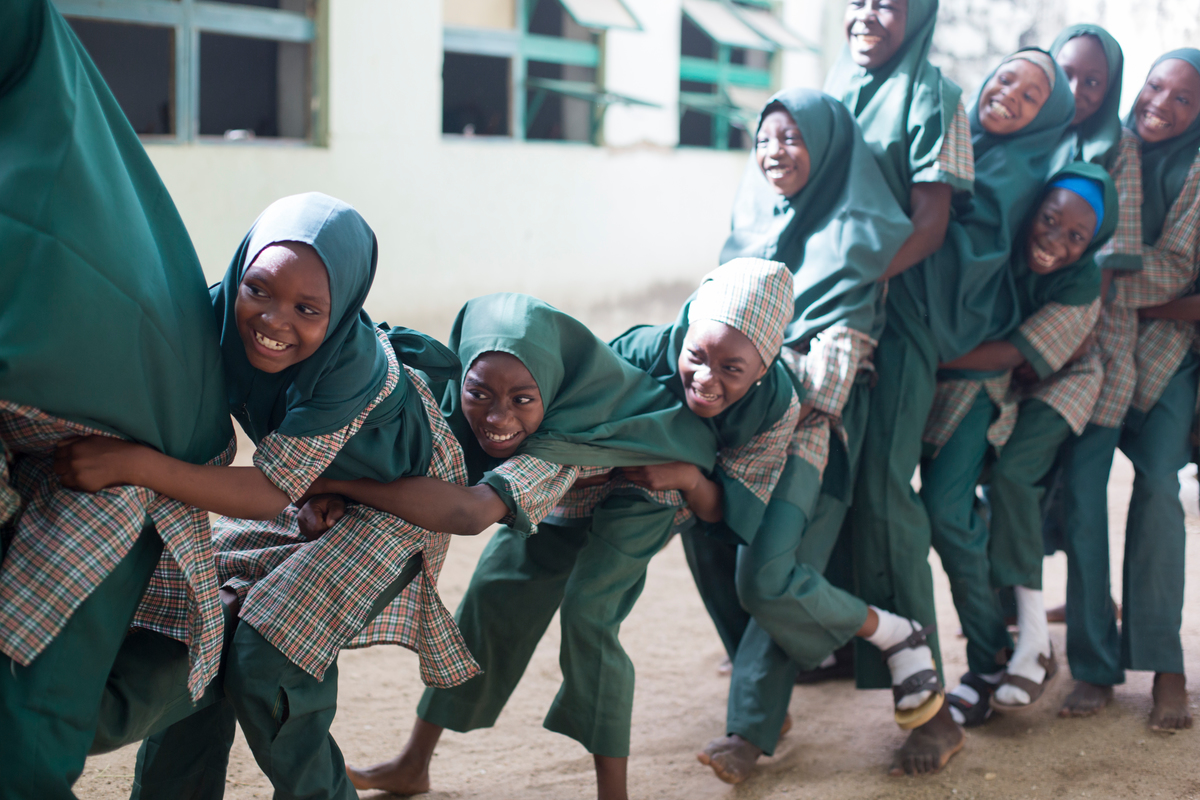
977, 683
915, 639
1031, 688
924, 681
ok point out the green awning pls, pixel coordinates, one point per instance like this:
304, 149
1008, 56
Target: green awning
581, 90
772, 28
723, 26
601, 14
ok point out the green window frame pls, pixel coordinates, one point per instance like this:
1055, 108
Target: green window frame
520, 47
732, 25
190, 18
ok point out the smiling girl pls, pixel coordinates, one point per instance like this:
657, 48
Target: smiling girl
321, 391
1145, 408
982, 424
544, 403
810, 199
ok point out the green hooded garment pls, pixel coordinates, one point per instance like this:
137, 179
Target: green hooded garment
1096, 138
1165, 165
958, 290
103, 315
836, 235
903, 107
330, 388
1076, 284
599, 409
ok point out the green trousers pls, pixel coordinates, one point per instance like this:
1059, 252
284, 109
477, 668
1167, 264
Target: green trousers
796, 616
891, 533
49, 710
284, 712
592, 574
979, 557
1157, 442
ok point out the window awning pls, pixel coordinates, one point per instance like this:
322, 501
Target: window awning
601, 14
582, 90
722, 103
748, 101
722, 25
772, 28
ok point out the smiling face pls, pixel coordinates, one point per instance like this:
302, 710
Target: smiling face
718, 366
1168, 102
501, 402
1013, 97
875, 30
282, 307
1083, 59
781, 153
1062, 229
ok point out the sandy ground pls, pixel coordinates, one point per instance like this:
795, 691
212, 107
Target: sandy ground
839, 747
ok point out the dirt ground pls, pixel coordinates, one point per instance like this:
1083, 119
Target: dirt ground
839, 747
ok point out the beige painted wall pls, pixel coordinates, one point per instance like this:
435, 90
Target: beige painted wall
584, 227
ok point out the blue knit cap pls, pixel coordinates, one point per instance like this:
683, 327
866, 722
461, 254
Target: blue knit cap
1091, 191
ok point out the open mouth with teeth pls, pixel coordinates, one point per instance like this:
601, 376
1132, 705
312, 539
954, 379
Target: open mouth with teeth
501, 438
270, 344
1153, 122
868, 41
997, 109
777, 172
1043, 258
704, 397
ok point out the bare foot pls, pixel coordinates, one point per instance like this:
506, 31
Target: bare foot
929, 747
407, 773
725, 668
731, 757
1170, 712
393, 776
786, 726
1086, 699
1057, 614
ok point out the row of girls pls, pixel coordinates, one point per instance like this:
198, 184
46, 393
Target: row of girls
1018, 297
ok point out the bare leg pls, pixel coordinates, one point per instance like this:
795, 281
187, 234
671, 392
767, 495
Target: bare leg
930, 746
407, 773
610, 777
1170, 712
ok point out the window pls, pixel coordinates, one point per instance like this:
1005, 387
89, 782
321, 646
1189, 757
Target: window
182, 69
529, 69
725, 69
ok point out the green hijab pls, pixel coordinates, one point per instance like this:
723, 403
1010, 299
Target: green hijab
327, 390
103, 315
599, 409
904, 107
836, 235
1165, 165
1096, 138
1076, 284
956, 290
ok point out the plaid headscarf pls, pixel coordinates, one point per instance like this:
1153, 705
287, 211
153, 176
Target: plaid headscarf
752, 295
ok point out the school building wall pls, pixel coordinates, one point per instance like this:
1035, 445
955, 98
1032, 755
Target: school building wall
615, 231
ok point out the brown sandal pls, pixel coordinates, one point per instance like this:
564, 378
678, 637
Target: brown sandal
1031, 688
924, 681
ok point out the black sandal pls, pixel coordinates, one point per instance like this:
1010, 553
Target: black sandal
925, 680
974, 714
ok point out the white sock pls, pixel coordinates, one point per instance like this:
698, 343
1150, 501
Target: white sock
1033, 640
894, 629
969, 694
829, 661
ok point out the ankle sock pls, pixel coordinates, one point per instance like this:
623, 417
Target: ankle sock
1033, 640
969, 694
894, 629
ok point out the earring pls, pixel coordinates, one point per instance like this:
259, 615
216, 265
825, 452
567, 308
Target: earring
759, 383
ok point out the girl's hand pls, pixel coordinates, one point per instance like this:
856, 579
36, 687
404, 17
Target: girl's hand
92, 463
662, 477
319, 514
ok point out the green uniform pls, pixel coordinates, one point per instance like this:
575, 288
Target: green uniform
938, 310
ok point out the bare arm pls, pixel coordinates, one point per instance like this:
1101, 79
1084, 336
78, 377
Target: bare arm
426, 502
98, 462
1186, 309
988, 357
704, 497
930, 218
